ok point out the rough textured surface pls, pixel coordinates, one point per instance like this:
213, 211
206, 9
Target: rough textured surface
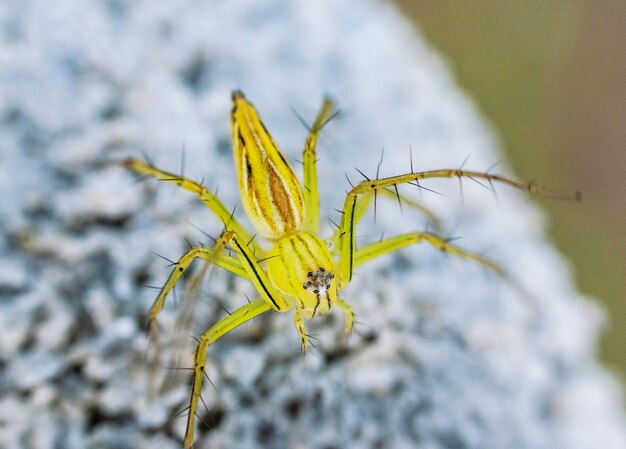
445, 355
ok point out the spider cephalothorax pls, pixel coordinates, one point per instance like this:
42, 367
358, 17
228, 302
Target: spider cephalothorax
301, 266
299, 272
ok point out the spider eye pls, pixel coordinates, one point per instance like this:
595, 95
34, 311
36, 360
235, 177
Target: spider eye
318, 281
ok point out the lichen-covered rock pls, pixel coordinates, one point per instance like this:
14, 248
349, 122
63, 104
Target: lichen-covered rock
445, 354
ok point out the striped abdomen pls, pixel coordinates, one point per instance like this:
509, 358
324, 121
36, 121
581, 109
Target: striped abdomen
269, 188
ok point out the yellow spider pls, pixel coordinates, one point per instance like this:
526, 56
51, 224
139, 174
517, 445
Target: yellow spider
299, 271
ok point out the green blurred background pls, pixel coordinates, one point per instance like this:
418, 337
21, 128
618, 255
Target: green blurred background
551, 76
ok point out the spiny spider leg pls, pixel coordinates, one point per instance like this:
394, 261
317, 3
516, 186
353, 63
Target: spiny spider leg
247, 267
253, 272
374, 250
298, 321
349, 218
309, 160
225, 325
206, 196
345, 307
212, 255
401, 199
365, 200
185, 318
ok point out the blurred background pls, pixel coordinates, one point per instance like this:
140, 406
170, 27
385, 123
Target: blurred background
551, 77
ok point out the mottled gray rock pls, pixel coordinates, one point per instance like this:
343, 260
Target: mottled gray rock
445, 354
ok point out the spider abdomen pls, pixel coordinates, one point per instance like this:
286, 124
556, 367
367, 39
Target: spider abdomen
269, 188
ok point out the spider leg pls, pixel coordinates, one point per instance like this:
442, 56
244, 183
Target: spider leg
255, 273
309, 159
211, 255
250, 269
206, 196
392, 244
298, 320
247, 267
345, 307
347, 246
401, 199
185, 318
225, 325
365, 201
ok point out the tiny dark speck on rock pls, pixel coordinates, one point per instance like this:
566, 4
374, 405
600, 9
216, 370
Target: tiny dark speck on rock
117, 9
111, 111
223, 146
246, 400
213, 418
195, 74
266, 432
293, 407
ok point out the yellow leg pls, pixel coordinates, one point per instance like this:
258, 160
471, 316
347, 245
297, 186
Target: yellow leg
364, 201
349, 314
247, 267
255, 272
225, 325
211, 255
298, 320
432, 218
347, 247
309, 159
392, 244
206, 196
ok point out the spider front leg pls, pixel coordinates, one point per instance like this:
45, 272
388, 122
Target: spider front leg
206, 196
225, 325
212, 255
364, 201
246, 267
270, 299
351, 210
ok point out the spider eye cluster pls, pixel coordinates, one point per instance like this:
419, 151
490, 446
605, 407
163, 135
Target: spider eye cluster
318, 281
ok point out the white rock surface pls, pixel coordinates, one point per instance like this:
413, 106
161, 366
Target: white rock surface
445, 355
